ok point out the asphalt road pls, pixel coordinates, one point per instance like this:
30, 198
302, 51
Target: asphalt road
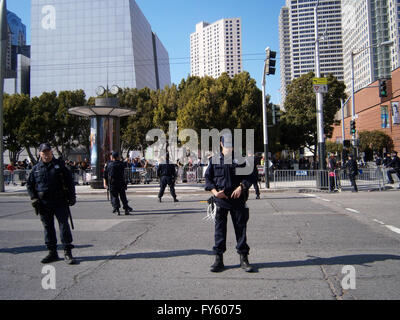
304, 246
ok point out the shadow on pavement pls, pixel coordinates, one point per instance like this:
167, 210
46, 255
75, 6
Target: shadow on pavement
148, 255
28, 249
358, 259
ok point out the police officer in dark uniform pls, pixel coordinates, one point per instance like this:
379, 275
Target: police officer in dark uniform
52, 191
230, 191
394, 164
352, 169
167, 173
114, 178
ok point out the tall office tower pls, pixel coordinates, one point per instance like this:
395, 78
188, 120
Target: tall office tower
394, 27
216, 48
367, 24
16, 41
84, 44
297, 19
17, 59
284, 46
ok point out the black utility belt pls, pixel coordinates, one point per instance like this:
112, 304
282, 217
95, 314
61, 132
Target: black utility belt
43, 195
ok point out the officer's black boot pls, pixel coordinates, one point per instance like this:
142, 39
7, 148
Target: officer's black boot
68, 258
176, 200
159, 199
244, 263
51, 257
218, 265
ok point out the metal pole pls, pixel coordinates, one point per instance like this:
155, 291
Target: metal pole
343, 129
265, 131
320, 100
3, 53
353, 106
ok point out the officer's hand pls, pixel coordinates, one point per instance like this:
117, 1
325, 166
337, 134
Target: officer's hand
35, 203
236, 194
220, 194
72, 201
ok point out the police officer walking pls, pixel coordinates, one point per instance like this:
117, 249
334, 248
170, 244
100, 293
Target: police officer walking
394, 164
230, 193
167, 173
114, 179
352, 169
51, 189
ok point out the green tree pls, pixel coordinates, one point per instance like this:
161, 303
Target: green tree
70, 128
299, 122
135, 127
375, 141
38, 125
16, 107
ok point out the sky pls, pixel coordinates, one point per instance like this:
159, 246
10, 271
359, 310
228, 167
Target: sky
174, 20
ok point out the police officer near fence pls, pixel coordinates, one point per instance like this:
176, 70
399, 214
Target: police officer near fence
114, 180
352, 169
51, 189
230, 193
167, 174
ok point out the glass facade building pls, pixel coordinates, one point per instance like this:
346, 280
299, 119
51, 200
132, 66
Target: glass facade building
84, 44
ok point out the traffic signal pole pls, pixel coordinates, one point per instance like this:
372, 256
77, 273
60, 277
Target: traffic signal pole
269, 68
320, 101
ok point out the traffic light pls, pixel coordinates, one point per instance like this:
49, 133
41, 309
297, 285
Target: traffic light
352, 127
271, 62
382, 88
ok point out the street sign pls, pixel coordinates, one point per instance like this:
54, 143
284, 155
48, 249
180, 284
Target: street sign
320, 88
323, 81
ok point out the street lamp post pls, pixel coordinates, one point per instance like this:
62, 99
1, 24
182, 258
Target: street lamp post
320, 100
353, 108
3, 53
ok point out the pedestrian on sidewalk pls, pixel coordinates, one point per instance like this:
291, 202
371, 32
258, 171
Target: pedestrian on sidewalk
114, 179
230, 193
52, 190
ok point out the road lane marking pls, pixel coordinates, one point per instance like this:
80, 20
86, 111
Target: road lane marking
352, 210
394, 229
380, 222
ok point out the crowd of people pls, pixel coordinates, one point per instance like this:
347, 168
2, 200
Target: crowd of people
16, 172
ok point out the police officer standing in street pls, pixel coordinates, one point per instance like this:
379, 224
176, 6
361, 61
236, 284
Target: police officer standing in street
230, 193
114, 179
352, 169
51, 189
167, 173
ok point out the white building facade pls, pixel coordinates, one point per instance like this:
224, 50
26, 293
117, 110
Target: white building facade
367, 24
297, 39
216, 48
86, 44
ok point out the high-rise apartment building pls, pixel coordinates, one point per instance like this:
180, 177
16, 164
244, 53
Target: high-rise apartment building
17, 57
216, 48
297, 39
84, 44
367, 24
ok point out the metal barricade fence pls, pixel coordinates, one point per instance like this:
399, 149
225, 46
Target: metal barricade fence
16, 177
140, 175
312, 179
367, 178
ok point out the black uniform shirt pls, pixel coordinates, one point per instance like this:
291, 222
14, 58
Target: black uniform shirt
223, 177
44, 182
114, 173
166, 169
